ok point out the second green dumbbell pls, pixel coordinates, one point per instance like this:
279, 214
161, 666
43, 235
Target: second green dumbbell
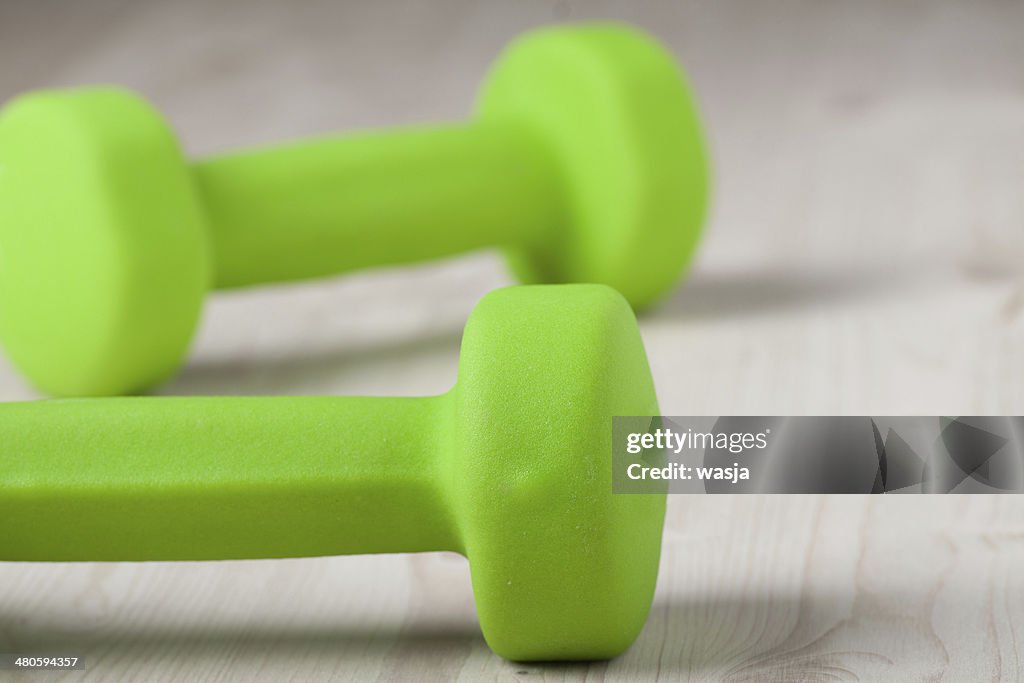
510, 468
585, 163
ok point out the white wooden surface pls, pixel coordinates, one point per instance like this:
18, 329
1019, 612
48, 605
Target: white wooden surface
865, 257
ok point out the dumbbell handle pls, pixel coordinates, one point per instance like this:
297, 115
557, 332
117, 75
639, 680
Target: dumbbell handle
222, 478
324, 207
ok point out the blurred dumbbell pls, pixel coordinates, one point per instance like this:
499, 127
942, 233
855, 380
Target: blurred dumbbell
584, 163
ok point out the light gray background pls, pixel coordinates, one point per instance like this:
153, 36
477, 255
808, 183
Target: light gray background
864, 257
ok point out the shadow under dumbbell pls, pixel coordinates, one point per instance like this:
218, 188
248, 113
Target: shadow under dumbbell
398, 653
289, 364
351, 335
717, 295
736, 637
304, 371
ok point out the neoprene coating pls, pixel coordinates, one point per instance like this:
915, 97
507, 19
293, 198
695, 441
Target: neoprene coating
511, 468
585, 163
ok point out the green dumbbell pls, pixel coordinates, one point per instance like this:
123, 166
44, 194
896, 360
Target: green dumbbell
512, 468
584, 163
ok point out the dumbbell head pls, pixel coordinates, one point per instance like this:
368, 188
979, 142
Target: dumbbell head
616, 113
103, 263
562, 569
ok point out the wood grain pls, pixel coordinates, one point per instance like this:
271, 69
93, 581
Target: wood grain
864, 258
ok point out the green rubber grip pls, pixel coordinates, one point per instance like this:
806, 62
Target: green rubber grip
222, 478
328, 206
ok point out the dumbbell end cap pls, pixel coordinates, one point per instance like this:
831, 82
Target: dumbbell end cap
562, 568
102, 252
616, 112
